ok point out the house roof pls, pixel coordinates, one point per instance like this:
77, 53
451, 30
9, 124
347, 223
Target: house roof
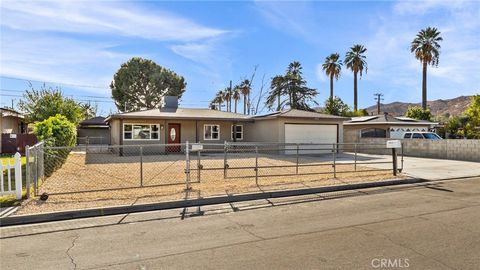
10, 112
181, 113
95, 121
293, 113
385, 119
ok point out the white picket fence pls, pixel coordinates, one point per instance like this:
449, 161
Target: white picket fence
11, 188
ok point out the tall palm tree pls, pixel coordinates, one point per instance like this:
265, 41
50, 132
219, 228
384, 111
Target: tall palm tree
277, 89
219, 99
246, 88
227, 96
236, 96
355, 61
427, 49
332, 67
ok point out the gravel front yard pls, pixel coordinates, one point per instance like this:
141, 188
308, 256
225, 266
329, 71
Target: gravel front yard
118, 179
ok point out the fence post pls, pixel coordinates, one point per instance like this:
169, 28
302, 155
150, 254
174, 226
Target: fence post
296, 169
334, 161
355, 166
27, 171
401, 169
141, 166
35, 179
187, 166
18, 176
225, 164
256, 165
394, 161
1, 176
199, 166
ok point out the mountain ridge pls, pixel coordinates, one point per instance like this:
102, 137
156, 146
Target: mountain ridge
440, 107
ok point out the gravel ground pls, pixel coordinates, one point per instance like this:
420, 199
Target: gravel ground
164, 179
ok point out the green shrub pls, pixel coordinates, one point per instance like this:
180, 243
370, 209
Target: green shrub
59, 136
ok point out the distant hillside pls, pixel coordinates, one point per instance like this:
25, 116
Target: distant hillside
454, 106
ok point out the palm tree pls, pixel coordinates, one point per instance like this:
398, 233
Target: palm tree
427, 49
355, 61
277, 89
236, 96
332, 67
227, 96
246, 88
219, 98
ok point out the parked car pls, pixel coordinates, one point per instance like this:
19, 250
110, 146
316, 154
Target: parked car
421, 135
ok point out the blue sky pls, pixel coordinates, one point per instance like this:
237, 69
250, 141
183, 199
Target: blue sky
78, 44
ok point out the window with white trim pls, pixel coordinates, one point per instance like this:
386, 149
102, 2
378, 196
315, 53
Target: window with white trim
141, 131
238, 134
211, 132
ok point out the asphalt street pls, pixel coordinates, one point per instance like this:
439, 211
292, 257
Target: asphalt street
427, 226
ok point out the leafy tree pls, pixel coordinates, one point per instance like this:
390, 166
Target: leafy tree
141, 84
426, 47
417, 112
277, 89
453, 125
218, 100
336, 106
473, 114
295, 87
332, 67
355, 60
39, 105
59, 132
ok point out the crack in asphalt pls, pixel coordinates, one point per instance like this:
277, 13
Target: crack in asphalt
69, 249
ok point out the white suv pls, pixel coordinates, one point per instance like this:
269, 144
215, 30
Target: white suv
421, 135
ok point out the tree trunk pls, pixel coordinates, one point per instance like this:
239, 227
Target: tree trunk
331, 86
244, 104
355, 92
220, 106
278, 102
424, 86
236, 105
248, 104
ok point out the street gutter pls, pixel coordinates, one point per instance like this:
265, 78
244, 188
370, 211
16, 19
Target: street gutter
116, 210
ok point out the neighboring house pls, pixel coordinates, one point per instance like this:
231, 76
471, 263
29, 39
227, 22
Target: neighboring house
171, 125
93, 131
382, 126
14, 131
12, 122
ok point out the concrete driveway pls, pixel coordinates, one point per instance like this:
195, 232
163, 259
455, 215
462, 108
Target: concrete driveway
425, 168
422, 226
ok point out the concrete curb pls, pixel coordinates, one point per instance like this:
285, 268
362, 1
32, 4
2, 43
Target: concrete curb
116, 210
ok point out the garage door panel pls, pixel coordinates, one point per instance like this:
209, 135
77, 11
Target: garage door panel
311, 134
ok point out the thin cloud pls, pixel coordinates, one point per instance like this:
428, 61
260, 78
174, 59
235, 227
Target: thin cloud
103, 18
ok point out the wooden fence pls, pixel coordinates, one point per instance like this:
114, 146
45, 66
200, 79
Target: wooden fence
11, 182
12, 143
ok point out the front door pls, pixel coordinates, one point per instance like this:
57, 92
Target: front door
173, 135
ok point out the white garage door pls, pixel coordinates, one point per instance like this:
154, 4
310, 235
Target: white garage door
305, 133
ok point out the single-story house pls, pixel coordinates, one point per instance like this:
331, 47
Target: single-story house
12, 122
14, 132
93, 131
382, 126
171, 124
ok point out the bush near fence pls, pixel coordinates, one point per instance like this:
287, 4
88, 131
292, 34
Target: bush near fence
56, 131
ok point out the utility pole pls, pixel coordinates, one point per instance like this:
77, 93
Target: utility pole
378, 97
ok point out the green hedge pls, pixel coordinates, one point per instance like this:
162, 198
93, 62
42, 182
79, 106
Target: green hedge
56, 131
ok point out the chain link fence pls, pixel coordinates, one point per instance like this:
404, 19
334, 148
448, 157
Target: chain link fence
64, 170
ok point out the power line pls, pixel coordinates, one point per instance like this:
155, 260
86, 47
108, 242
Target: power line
22, 91
59, 83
